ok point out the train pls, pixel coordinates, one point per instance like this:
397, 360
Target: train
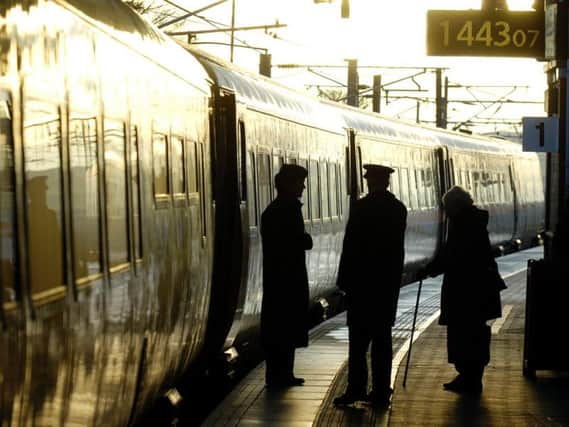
133, 173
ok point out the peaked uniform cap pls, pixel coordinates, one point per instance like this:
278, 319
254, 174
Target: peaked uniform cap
377, 171
292, 171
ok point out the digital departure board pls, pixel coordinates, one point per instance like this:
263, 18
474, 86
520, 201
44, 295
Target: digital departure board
485, 33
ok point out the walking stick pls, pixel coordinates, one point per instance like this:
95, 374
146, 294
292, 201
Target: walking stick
412, 332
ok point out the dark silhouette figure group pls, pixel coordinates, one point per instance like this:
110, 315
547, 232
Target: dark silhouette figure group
369, 275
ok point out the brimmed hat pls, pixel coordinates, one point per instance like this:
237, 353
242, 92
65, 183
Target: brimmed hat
377, 171
291, 171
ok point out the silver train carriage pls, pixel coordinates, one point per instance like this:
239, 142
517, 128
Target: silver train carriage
133, 176
267, 124
106, 212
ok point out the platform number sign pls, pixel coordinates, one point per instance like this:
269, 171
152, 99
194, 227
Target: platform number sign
482, 33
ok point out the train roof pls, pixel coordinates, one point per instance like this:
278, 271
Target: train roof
126, 26
264, 94
378, 126
383, 127
269, 96
476, 142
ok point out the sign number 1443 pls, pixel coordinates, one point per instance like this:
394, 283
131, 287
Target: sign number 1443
498, 34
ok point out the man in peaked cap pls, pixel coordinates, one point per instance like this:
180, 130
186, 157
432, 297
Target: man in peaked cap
285, 279
370, 274
378, 171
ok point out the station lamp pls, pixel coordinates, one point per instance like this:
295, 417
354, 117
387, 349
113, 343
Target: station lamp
345, 8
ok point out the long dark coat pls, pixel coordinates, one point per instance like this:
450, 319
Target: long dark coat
284, 312
372, 259
468, 293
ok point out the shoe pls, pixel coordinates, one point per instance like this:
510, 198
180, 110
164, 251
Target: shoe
348, 399
379, 400
294, 381
289, 382
454, 384
462, 385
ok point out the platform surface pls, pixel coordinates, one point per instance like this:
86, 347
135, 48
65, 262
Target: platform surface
508, 398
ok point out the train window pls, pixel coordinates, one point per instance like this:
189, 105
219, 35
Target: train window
135, 185
496, 190
342, 192
359, 169
7, 205
474, 187
192, 163
305, 194
426, 189
251, 189
506, 185
264, 177
84, 170
242, 162
201, 185
178, 171
332, 173
496, 186
394, 182
348, 163
413, 190
160, 161
324, 189
314, 190
115, 182
482, 186
42, 154
489, 186
277, 163
430, 188
405, 187
502, 185
420, 179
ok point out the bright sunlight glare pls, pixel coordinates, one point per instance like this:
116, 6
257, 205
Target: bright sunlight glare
377, 33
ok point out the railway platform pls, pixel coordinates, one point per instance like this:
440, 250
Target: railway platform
508, 398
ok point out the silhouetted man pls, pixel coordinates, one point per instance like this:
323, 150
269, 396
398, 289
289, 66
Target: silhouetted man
370, 274
284, 312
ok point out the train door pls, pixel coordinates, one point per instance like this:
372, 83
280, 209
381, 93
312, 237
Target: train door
519, 221
8, 288
226, 295
445, 181
444, 170
10, 361
353, 167
242, 267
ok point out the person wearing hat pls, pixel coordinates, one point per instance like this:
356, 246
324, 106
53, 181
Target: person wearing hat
370, 275
285, 279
